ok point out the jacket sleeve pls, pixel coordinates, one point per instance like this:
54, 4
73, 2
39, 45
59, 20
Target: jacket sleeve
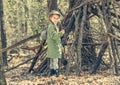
52, 33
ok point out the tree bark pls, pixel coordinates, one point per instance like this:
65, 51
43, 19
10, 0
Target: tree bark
2, 77
4, 44
52, 5
3, 37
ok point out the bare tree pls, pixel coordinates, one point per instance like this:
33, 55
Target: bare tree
2, 77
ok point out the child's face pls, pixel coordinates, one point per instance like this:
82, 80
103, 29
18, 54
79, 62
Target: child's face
55, 18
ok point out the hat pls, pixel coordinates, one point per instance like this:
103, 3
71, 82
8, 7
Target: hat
54, 12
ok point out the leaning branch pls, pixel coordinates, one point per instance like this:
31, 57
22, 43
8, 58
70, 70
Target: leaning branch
83, 3
19, 65
114, 14
99, 58
116, 26
20, 42
114, 36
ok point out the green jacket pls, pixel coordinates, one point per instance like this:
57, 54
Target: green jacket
54, 42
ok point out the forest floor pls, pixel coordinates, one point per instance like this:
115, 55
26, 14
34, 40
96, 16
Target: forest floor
19, 76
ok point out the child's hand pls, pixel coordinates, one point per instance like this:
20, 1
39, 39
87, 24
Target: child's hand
63, 31
57, 30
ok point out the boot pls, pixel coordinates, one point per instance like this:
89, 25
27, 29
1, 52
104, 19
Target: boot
65, 62
57, 72
52, 72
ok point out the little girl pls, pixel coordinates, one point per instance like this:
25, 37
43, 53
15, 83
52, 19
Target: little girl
54, 51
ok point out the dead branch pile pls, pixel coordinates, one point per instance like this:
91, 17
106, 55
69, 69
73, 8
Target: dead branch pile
92, 33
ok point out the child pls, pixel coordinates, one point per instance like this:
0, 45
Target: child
54, 51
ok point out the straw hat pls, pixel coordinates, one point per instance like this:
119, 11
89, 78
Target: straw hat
54, 12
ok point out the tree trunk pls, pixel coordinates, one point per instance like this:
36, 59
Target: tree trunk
2, 77
4, 44
4, 41
52, 5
